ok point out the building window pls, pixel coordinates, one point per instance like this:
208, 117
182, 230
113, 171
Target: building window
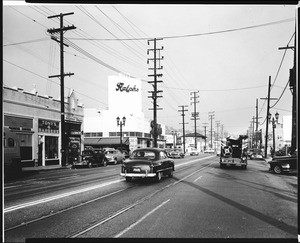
25, 146
99, 134
51, 147
93, 134
132, 134
113, 134
139, 134
87, 134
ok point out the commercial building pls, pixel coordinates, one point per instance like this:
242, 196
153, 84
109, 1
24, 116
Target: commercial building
124, 100
36, 120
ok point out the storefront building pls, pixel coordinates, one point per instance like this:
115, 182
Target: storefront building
124, 100
36, 120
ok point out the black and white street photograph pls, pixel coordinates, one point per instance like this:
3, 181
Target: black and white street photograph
149, 121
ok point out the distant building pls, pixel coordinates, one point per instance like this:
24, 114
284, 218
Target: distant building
124, 100
36, 120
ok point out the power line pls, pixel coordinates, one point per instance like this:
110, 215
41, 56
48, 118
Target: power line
199, 34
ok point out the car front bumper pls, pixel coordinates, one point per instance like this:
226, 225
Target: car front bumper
138, 175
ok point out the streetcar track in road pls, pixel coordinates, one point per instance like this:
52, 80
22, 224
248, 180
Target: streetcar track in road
141, 219
126, 208
67, 209
48, 199
69, 177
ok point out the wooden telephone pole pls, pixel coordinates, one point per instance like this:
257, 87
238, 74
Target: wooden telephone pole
61, 76
183, 124
154, 93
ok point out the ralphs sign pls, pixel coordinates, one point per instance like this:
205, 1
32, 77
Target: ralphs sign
123, 88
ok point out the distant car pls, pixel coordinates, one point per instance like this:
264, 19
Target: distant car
194, 153
256, 154
114, 156
176, 154
148, 163
90, 158
284, 164
209, 151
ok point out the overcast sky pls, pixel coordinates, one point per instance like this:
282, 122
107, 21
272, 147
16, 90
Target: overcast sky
227, 53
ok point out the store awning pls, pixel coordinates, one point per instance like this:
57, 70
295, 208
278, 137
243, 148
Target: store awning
105, 141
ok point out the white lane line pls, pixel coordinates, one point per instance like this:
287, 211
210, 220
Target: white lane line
140, 220
197, 178
7, 187
48, 199
64, 178
193, 161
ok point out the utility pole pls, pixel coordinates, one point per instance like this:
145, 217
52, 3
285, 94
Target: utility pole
267, 117
256, 123
217, 135
156, 60
211, 117
61, 76
293, 88
195, 114
205, 126
183, 124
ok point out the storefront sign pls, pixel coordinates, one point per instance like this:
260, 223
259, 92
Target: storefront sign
121, 87
18, 123
48, 126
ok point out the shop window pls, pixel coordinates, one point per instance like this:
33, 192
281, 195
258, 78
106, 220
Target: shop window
25, 146
51, 147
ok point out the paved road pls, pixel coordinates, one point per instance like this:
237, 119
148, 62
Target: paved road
200, 201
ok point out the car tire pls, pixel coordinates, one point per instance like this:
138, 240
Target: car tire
104, 164
171, 174
128, 179
90, 165
158, 176
277, 169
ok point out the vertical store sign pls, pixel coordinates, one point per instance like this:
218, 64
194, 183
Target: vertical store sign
125, 94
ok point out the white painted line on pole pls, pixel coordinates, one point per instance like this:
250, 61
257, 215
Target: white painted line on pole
140, 220
48, 199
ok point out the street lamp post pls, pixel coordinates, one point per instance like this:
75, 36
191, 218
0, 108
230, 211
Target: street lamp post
121, 124
274, 121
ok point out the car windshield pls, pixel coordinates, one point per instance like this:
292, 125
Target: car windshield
110, 152
87, 152
143, 155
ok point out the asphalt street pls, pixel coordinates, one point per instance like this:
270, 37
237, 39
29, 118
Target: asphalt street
201, 201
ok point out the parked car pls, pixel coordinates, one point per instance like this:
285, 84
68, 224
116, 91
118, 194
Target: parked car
209, 151
90, 158
284, 164
176, 154
114, 156
194, 153
148, 163
256, 154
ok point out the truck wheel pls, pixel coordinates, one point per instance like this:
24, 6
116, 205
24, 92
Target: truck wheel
277, 169
171, 173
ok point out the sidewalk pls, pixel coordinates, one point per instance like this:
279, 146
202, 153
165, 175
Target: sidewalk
47, 167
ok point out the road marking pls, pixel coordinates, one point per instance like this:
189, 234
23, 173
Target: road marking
140, 220
68, 177
193, 161
7, 187
48, 199
198, 178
